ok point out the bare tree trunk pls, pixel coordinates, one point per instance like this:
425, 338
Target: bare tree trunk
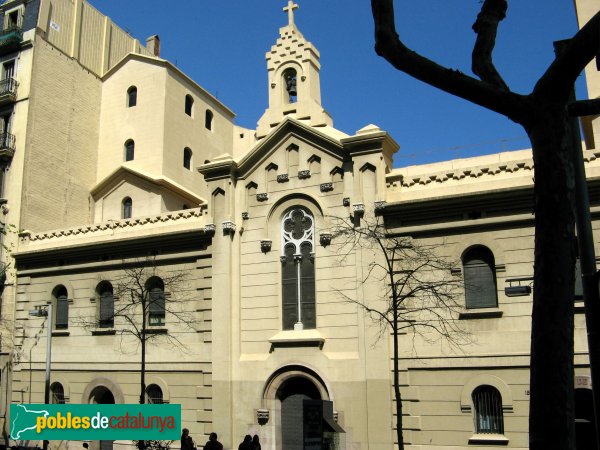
141, 443
551, 377
397, 394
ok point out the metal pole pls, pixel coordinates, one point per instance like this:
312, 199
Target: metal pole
587, 258
48, 363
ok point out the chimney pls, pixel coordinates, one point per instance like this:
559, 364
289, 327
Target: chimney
153, 45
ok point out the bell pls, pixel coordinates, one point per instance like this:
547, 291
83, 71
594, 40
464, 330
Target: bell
292, 89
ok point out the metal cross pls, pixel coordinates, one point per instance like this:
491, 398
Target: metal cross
290, 10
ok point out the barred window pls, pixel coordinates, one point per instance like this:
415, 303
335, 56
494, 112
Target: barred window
298, 270
154, 394
487, 404
480, 278
57, 394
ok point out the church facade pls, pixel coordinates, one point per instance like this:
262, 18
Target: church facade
139, 176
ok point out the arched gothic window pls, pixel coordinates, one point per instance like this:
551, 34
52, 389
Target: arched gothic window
487, 405
131, 96
298, 270
480, 278
154, 394
57, 394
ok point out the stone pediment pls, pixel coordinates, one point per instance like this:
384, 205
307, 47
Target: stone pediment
128, 174
289, 132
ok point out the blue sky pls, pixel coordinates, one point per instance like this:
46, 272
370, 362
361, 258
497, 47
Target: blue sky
222, 45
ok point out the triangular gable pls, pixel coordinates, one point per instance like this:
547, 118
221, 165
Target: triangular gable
121, 174
264, 149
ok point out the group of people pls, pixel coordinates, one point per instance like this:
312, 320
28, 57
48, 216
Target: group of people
187, 443
250, 443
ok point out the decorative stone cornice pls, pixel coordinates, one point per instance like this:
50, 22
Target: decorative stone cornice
113, 225
525, 165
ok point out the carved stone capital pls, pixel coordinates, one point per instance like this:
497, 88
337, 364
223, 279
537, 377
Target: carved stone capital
265, 245
210, 228
358, 208
325, 239
229, 226
262, 416
326, 187
304, 174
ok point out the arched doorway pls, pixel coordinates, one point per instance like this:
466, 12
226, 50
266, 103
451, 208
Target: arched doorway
101, 395
296, 401
292, 394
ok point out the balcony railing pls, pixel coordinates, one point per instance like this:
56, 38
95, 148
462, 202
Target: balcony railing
7, 147
8, 90
11, 37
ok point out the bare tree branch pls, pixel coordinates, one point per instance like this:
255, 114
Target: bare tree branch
486, 27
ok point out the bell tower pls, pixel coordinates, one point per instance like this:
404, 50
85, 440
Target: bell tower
294, 85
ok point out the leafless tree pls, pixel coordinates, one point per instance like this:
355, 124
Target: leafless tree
544, 114
418, 294
141, 299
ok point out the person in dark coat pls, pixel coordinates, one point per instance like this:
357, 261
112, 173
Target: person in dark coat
246, 444
256, 442
187, 443
212, 443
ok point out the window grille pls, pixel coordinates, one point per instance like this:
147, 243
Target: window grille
487, 403
58, 394
154, 394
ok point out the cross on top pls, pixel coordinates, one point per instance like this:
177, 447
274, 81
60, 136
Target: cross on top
290, 10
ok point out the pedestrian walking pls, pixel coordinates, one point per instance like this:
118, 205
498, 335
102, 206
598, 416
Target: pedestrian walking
187, 443
213, 443
256, 442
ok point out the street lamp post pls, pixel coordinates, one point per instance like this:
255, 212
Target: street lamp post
46, 311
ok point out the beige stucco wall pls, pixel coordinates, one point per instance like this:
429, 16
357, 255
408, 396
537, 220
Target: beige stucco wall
61, 142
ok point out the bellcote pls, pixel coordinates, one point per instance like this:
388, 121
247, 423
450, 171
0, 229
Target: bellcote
294, 83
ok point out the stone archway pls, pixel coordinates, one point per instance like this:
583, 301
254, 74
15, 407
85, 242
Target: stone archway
283, 397
102, 391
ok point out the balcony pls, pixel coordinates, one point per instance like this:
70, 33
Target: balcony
10, 38
7, 148
8, 90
